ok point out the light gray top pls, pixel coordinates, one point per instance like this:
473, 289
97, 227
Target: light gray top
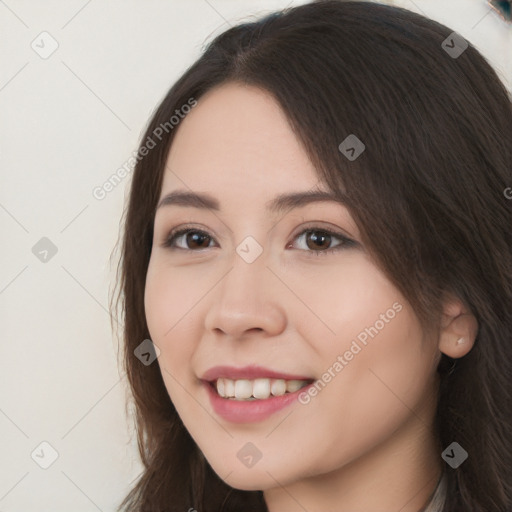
437, 502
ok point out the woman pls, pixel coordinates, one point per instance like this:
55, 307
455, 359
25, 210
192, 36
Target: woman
376, 377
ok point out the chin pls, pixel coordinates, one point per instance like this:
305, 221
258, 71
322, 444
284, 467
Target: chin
246, 485
247, 479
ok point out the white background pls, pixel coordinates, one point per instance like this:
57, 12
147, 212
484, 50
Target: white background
67, 122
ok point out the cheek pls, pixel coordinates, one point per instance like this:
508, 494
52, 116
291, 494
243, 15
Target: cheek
169, 297
384, 375
169, 303
384, 384
389, 366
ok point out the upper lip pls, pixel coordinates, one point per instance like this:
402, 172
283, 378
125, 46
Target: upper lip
248, 372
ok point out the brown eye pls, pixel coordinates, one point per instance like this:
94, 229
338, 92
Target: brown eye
318, 239
194, 239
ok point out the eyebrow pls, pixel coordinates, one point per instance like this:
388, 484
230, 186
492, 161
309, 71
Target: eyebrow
281, 203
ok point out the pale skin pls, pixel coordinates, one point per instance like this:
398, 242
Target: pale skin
365, 443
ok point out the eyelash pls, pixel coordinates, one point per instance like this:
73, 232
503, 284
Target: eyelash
345, 241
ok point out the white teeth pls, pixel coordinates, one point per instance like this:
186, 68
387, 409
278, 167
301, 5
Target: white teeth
229, 387
278, 387
244, 389
261, 388
221, 388
294, 385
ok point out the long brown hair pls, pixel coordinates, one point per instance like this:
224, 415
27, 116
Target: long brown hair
429, 195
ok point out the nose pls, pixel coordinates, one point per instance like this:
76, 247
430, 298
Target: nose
249, 298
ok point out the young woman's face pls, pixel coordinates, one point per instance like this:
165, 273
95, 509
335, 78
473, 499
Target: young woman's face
243, 299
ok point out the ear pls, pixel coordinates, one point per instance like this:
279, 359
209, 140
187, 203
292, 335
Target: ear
459, 329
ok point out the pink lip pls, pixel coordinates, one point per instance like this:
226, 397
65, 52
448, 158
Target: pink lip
247, 372
237, 411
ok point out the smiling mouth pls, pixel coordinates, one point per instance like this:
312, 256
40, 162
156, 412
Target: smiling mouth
256, 389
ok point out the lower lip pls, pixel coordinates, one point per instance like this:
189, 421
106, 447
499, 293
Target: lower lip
249, 411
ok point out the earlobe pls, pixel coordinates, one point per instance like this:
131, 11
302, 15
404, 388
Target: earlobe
458, 337
459, 329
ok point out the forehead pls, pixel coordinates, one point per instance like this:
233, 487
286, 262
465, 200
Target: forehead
237, 139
